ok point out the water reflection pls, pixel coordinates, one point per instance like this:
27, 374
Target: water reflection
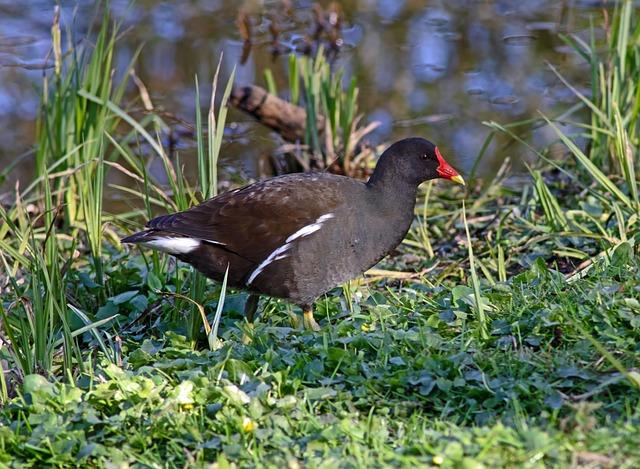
431, 50
466, 61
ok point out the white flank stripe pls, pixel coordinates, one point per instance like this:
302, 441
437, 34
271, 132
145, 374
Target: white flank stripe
309, 229
279, 253
325, 217
173, 245
304, 231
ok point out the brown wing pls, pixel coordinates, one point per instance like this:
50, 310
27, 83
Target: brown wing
254, 221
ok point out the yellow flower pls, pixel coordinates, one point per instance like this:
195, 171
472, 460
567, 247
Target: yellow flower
438, 460
248, 425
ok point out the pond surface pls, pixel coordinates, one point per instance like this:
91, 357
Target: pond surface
430, 68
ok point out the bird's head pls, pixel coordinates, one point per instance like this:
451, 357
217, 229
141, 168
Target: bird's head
415, 160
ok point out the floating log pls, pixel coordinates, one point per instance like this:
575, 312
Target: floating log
285, 118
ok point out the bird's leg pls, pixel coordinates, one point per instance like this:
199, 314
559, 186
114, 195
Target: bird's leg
307, 318
250, 308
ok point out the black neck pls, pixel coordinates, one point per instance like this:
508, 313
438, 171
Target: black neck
393, 194
392, 179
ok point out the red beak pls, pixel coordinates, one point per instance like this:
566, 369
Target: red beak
446, 171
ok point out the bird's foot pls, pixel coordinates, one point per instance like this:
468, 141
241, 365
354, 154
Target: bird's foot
309, 322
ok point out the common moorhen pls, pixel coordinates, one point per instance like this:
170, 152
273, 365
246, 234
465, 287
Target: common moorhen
299, 235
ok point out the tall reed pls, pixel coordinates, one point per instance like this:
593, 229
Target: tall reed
37, 250
606, 166
614, 106
72, 127
37, 315
208, 156
320, 89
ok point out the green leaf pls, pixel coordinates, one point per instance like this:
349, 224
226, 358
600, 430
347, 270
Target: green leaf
318, 394
153, 281
37, 384
123, 297
107, 310
139, 303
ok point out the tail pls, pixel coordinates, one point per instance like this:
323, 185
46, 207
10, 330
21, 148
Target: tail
140, 237
164, 241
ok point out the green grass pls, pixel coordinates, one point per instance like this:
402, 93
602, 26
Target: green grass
404, 380
504, 332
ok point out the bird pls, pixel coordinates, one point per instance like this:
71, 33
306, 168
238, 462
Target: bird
297, 236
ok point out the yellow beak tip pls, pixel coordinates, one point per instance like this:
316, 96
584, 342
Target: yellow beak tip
458, 179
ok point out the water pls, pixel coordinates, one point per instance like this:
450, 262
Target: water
428, 68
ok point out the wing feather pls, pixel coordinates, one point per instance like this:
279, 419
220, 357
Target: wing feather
257, 219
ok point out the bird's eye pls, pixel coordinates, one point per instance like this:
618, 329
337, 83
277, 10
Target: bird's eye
425, 156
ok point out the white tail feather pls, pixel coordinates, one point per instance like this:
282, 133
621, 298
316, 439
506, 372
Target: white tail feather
173, 245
